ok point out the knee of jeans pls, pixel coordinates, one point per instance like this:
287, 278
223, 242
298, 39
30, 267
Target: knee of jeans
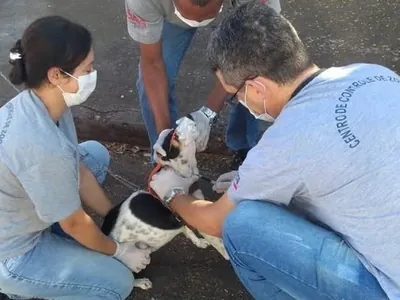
244, 221
125, 283
98, 151
236, 222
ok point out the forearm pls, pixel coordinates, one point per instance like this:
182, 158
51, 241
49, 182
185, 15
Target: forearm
92, 194
156, 87
216, 98
89, 235
199, 214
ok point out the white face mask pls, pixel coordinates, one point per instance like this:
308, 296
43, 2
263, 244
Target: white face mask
263, 117
86, 86
193, 23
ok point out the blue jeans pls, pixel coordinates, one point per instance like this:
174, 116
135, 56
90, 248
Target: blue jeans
242, 132
278, 255
60, 268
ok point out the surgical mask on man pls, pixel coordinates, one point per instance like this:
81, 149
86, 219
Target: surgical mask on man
193, 23
86, 86
263, 117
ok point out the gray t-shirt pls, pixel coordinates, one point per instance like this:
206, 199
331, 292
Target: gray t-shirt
334, 154
145, 18
39, 177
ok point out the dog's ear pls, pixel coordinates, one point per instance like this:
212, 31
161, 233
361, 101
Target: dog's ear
171, 146
189, 116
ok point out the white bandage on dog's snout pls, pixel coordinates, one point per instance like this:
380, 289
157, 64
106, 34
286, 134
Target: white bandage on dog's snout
186, 130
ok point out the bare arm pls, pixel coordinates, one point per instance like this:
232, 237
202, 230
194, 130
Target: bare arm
206, 216
215, 100
92, 194
83, 229
155, 83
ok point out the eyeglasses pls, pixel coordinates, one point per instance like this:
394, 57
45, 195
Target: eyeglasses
232, 100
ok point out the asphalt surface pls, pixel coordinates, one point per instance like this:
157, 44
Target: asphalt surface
336, 33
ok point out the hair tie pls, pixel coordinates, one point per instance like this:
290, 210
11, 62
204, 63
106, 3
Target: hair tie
15, 56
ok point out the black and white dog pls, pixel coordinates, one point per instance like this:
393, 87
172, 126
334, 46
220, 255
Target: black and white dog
143, 219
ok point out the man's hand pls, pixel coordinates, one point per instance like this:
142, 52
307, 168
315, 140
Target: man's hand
167, 179
131, 256
203, 129
224, 181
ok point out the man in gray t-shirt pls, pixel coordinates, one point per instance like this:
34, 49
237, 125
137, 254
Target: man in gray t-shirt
164, 30
314, 210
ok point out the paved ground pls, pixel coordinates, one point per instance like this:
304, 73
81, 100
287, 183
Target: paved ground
336, 32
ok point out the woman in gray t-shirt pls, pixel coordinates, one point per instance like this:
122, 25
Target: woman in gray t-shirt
49, 246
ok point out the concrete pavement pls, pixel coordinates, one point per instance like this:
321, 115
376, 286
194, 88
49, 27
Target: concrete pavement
336, 32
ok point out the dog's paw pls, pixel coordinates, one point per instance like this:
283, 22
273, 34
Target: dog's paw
143, 283
201, 243
198, 242
217, 243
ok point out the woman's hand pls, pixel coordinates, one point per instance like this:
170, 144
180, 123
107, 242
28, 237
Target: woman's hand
131, 256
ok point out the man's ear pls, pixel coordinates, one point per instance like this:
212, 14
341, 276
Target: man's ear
263, 86
55, 76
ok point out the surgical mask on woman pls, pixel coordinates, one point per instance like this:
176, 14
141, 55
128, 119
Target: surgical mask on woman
86, 86
193, 23
263, 117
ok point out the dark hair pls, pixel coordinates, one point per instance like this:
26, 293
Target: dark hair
200, 3
254, 40
49, 42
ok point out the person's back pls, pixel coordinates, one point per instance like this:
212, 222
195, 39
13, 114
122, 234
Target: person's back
344, 129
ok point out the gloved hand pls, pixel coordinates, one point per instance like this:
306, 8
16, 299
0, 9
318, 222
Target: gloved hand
167, 179
224, 181
131, 256
158, 149
203, 129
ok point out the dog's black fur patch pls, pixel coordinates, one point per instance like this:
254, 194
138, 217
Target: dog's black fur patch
189, 116
152, 212
172, 152
146, 208
110, 219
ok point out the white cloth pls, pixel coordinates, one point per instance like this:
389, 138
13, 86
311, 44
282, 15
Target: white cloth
202, 127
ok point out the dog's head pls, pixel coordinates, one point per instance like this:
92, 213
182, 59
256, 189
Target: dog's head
179, 148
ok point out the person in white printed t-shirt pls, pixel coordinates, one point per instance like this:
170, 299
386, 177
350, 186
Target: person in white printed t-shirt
164, 30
